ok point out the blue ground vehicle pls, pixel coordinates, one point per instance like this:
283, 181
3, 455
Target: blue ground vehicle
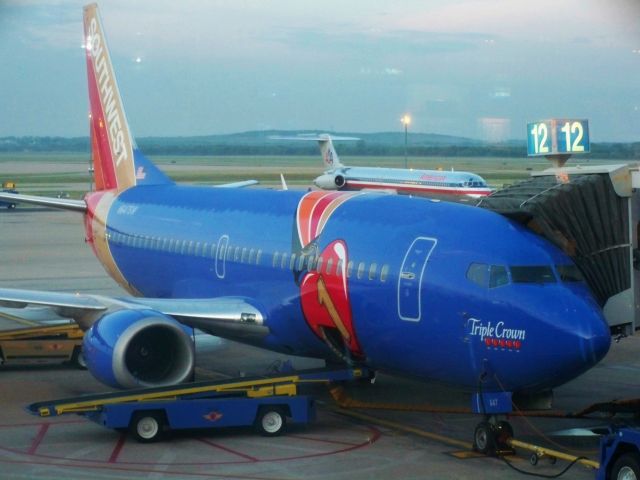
620, 455
264, 402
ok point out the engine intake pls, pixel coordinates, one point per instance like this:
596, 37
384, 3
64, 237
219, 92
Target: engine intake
139, 348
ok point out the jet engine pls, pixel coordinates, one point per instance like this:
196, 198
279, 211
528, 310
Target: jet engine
330, 181
139, 348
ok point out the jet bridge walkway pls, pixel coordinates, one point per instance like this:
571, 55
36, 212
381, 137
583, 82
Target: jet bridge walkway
592, 214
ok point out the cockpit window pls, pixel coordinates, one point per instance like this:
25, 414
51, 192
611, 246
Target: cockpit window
488, 276
532, 274
498, 276
478, 273
569, 273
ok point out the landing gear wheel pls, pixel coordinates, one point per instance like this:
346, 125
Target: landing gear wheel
533, 459
627, 467
270, 421
147, 427
484, 439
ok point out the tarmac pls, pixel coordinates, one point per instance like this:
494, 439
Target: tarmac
44, 249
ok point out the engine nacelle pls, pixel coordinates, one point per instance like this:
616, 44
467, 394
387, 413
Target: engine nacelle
330, 181
139, 348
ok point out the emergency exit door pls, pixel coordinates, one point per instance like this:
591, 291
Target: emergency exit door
411, 276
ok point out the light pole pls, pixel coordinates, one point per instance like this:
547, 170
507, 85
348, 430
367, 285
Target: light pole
406, 120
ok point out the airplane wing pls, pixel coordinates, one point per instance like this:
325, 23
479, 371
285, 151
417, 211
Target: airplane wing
244, 183
229, 317
63, 203
80, 205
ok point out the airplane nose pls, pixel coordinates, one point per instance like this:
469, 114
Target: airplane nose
596, 338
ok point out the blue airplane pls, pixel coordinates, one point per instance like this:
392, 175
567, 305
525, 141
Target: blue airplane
433, 290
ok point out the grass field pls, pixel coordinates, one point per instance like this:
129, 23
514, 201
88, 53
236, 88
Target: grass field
51, 173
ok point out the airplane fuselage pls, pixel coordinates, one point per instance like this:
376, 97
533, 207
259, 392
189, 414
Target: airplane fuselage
379, 279
432, 183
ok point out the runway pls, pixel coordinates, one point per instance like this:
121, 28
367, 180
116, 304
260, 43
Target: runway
45, 249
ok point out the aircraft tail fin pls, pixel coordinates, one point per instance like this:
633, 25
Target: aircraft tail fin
117, 162
329, 155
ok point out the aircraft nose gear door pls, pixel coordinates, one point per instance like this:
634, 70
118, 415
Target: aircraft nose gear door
410, 278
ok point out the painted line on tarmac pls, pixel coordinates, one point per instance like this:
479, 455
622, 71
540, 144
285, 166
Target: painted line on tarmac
405, 428
113, 458
39, 437
228, 450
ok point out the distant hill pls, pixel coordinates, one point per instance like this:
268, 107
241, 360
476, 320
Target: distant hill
259, 143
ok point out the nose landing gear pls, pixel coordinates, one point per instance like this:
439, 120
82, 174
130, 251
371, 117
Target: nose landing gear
491, 437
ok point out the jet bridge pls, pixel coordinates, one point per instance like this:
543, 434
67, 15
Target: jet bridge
592, 213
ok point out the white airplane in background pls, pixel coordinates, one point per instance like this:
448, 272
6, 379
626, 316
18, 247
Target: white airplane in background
431, 183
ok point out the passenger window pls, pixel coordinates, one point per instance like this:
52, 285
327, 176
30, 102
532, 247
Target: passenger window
360, 270
183, 247
276, 258
311, 262
258, 257
384, 272
498, 276
283, 263
329, 265
236, 255
243, 259
349, 268
339, 267
252, 254
292, 261
319, 264
301, 261
191, 248
478, 273
372, 271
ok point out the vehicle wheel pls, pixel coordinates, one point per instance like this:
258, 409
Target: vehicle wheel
270, 421
147, 427
627, 467
78, 358
533, 459
484, 438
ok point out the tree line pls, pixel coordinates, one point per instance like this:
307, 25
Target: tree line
215, 147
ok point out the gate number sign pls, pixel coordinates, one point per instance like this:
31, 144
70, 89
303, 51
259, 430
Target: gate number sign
557, 136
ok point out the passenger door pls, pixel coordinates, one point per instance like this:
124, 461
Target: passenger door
411, 277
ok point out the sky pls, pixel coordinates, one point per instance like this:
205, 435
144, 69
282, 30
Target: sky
474, 68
